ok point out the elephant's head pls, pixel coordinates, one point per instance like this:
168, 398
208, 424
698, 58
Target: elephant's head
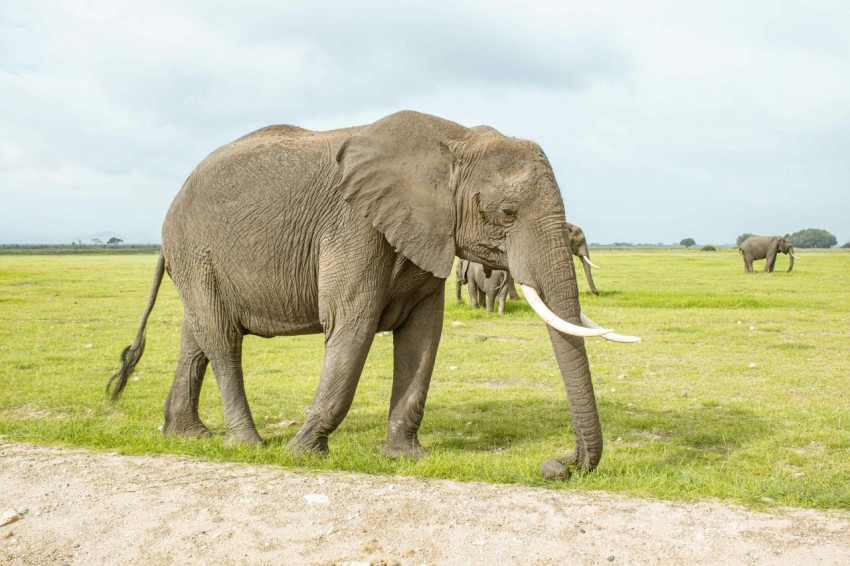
578, 245
436, 189
787, 247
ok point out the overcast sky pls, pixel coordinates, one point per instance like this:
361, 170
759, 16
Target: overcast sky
663, 120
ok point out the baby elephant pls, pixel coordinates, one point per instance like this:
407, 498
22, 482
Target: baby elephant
484, 284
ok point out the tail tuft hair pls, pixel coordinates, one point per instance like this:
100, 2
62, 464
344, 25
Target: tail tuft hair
129, 358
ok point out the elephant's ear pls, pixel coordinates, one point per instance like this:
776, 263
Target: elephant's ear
396, 173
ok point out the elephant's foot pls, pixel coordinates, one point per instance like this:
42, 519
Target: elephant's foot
192, 428
247, 435
305, 444
404, 448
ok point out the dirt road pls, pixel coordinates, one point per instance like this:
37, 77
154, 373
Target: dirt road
78, 507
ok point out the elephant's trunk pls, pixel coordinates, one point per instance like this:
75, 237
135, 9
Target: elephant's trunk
791, 257
586, 264
558, 289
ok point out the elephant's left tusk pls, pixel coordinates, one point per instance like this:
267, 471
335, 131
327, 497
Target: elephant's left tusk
613, 336
586, 259
554, 320
792, 255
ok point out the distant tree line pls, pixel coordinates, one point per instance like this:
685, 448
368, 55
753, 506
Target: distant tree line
75, 248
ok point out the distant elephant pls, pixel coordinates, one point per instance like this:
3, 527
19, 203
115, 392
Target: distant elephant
578, 245
349, 232
766, 247
488, 285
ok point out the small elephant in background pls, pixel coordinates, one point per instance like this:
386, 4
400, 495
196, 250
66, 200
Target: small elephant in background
488, 285
485, 285
766, 247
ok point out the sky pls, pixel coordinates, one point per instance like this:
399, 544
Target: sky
662, 120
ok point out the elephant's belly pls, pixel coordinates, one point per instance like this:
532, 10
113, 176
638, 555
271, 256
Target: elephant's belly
270, 328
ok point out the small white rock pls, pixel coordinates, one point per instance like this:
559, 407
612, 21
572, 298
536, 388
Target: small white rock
452, 368
752, 365
317, 498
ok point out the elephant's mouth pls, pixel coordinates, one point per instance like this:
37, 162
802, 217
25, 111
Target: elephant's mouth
586, 330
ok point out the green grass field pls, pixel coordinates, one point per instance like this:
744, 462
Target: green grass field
740, 389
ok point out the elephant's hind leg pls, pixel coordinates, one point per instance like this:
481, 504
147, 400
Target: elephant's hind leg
181, 406
415, 345
491, 301
227, 366
219, 339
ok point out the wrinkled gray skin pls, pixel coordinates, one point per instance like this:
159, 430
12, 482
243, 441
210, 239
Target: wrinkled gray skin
578, 245
350, 232
487, 286
765, 247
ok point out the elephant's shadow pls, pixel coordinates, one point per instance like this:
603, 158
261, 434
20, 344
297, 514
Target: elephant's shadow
709, 433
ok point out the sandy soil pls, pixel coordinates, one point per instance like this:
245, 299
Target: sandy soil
78, 507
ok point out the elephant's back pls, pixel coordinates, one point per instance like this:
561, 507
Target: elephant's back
268, 173
256, 210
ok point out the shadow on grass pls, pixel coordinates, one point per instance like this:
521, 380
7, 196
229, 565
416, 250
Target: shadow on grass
667, 437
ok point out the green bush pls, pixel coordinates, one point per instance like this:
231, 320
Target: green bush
813, 238
708, 248
743, 237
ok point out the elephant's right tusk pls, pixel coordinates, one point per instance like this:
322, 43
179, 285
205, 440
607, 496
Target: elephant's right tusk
792, 255
556, 322
586, 259
613, 336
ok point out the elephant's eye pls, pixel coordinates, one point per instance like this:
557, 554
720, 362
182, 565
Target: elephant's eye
509, 211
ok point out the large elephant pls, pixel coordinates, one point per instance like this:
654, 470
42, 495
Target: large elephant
766, 247
349, 232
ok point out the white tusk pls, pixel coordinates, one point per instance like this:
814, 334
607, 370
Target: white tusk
590, 263
554, 321
613, 336
792, 255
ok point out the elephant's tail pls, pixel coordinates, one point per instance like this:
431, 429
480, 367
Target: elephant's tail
131, 355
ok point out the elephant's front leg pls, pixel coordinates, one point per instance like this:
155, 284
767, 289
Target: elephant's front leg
346, 349
415, 345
